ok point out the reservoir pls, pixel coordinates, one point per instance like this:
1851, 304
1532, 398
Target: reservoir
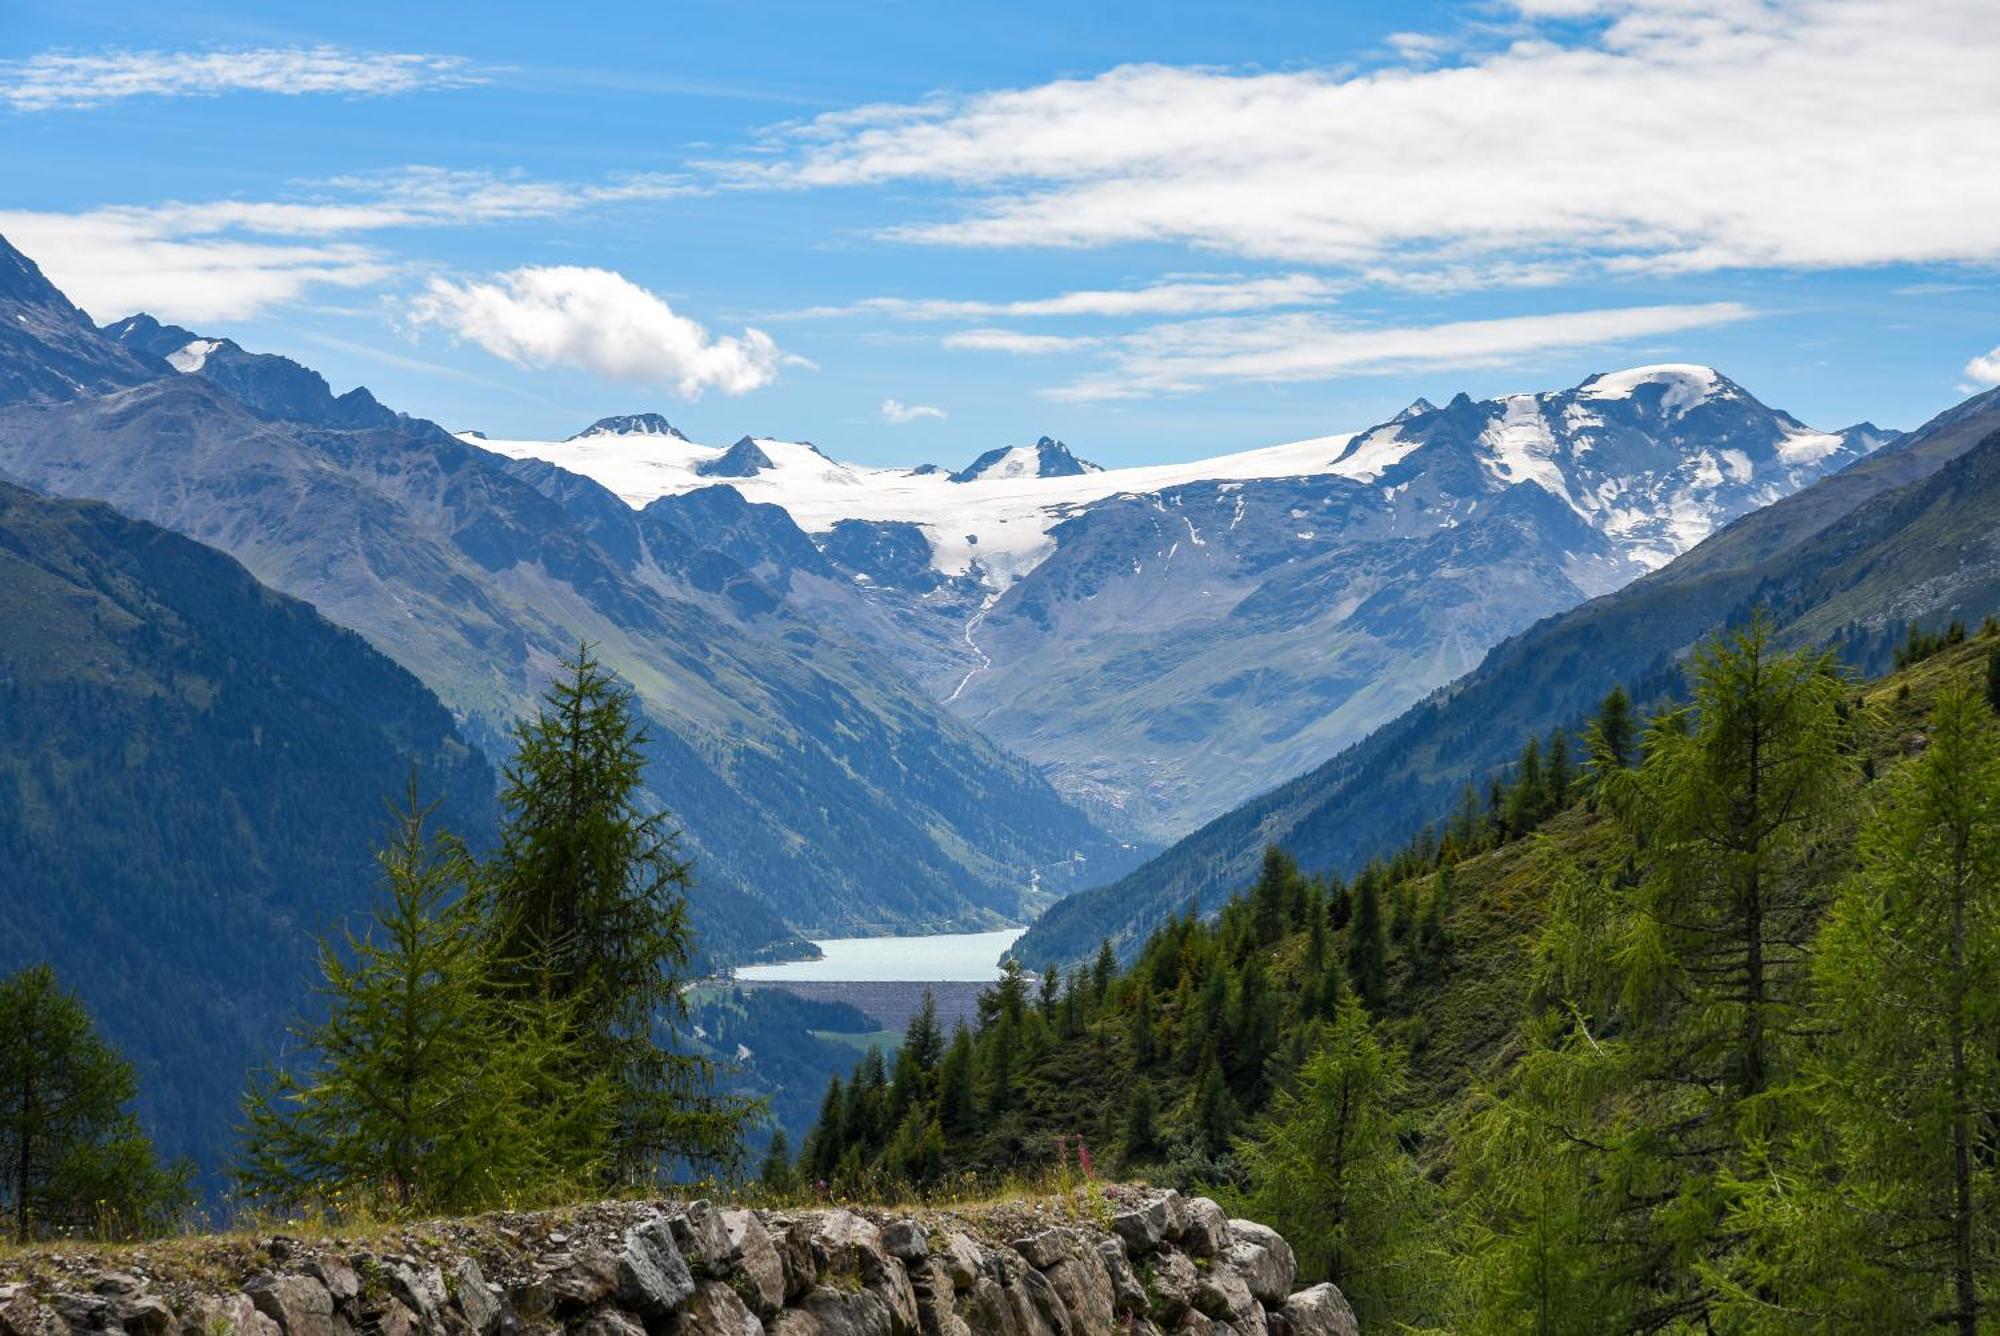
965, 957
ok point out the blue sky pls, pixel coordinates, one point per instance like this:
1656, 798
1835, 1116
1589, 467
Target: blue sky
911, 232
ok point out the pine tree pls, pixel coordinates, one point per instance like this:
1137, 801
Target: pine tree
424, 1090
1141, 1123
589, 908
1728, 818
776, 1172
1908, 969
1993, 677
71, 1156
1331, 1174
1270, 897
957, 1105
1103, 972
1560, 773
1612, 733
1367, 955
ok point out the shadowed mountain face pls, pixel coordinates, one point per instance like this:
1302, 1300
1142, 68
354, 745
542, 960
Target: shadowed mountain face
1912, 531
818, 788
193, 778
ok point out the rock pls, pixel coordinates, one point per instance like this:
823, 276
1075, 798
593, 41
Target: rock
583, 1280
792, 1240
21, 1315
118, 1285
396, 1319
145, 1315
714, 1309
849, 1312
1157, 1218
901, 1296
1170, 1280
703, 1238
1264, 1258
906, 1241
792, 1322
421, 1289
962, 1260
650, 1276
1320, 1311
1128, 1296
1044, 1249
757, 1261
340, 1279
1207, 1232
936, 1314
1222, 1294
609, 1322
844, 1243
1086, 1290
1048, 1306
83, 1312
225, 1315
478, 1301
298, 1304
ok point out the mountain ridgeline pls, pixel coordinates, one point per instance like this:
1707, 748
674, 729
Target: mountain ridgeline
820, 790
1904, 534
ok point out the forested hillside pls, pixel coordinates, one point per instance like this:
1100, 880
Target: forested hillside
193, 782
1677, 1021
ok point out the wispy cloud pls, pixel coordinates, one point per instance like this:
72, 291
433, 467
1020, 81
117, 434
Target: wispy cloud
898, 412
598, 321
1017, 341
1193, 355
1664, 136
233, 258
56, 79
1190, 296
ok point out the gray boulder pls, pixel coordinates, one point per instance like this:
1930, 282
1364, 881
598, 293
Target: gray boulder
703, 1238
1320, 1311
716, 1310
849, 1312
477, 1301
299, 1305
650, 1276
906, 1240
1261, 1254
757, 1261
1207, 1232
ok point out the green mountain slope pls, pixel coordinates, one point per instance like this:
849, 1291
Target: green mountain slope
193, 772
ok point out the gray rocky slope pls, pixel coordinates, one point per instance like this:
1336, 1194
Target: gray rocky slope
1140, 1262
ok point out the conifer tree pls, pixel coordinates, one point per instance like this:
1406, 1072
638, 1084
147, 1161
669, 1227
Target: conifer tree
1993, 677
424, 1090
1367, 954
957, 1105
776, 1171
1103, 972
1331, 1174
1141, 1123
1560, 773
1908, 970
1612, 733
72, 1157
588, 896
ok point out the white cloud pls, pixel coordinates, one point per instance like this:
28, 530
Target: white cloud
1015, 341
898, 412
230, 259
1672, 135
56, 79
1186, 296
1984, 370
1191, 355
599, 321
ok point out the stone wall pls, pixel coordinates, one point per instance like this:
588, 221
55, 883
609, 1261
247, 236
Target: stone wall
1124, 1260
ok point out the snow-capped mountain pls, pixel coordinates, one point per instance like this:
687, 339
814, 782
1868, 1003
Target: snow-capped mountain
631, 424
1168, 640
1046, 458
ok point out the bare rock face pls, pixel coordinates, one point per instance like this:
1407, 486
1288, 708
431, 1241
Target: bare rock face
1134, 1262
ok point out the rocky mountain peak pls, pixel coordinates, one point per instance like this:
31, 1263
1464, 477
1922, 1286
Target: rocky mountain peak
1046, 458
631, 424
